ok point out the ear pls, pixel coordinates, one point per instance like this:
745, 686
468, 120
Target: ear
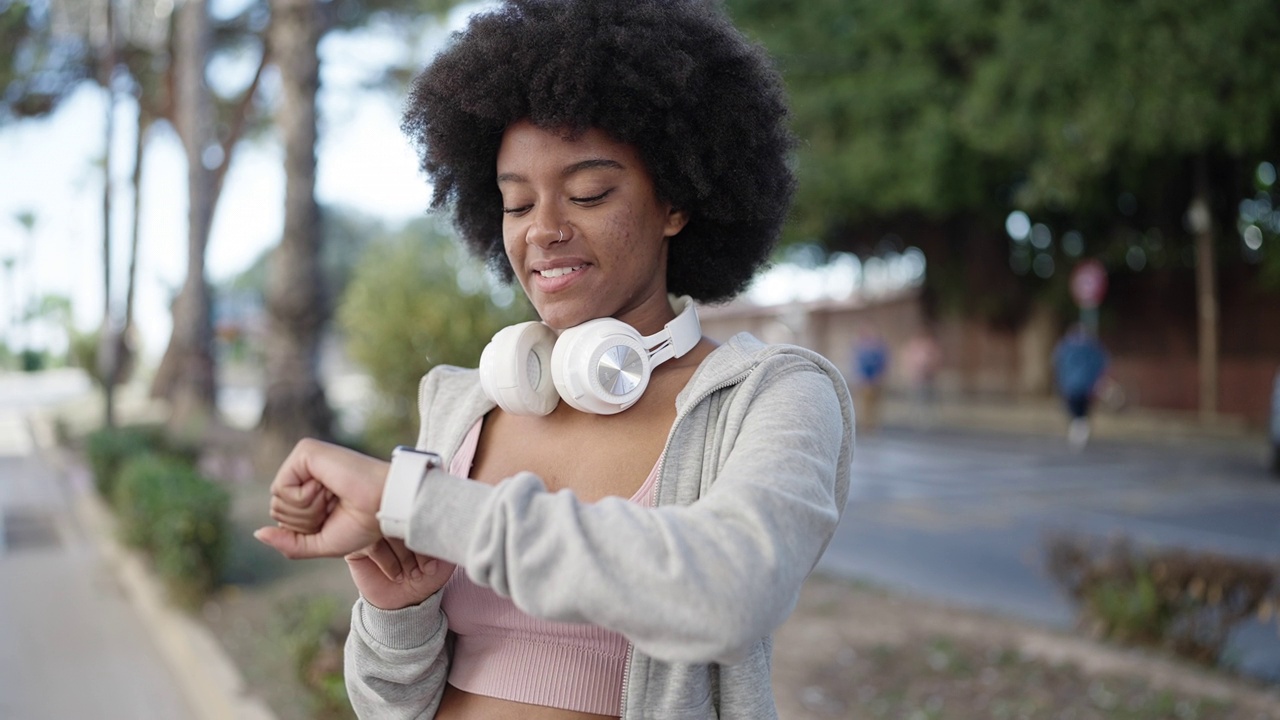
676, 220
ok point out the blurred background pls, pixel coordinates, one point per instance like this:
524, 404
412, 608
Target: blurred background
211, 223
958, 162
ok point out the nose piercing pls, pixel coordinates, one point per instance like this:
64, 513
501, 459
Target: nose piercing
561, 235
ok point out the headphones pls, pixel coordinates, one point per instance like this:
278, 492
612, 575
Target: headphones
601, 366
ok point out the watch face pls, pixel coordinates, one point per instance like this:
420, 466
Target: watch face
619, 370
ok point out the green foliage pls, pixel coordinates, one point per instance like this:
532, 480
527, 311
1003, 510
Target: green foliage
1073, 90
315, 631
943, 116
178, 517
875, 88
1182, 601
416, 300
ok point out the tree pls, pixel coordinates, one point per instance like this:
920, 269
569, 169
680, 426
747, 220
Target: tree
297, 306
187, 373
297, 303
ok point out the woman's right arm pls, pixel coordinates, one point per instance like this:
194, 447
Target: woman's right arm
396, 662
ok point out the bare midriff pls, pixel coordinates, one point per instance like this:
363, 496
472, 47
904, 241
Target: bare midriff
461, 705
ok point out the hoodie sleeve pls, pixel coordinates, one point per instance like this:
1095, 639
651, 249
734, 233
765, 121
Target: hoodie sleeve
395, 661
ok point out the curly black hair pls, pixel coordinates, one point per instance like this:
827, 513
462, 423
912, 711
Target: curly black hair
674, 78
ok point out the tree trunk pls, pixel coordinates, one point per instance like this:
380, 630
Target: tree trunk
107, 358
186, 374
1200, 218
295, 404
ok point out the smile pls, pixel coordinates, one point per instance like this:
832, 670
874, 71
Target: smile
559, 272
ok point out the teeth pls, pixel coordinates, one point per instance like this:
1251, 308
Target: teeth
558, 272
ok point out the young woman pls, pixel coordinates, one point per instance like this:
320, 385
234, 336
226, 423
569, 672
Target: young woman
615, 527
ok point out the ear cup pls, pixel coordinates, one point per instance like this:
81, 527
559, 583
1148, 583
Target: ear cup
600, 366
515, 369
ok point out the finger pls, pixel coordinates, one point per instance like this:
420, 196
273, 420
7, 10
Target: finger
426, 564
408, 558
303, 495
386, 559
288, 543
305, 520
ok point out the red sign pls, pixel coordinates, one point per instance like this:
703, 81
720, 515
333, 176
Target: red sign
1089, 284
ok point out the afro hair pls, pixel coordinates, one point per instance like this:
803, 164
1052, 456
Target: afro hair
674, 78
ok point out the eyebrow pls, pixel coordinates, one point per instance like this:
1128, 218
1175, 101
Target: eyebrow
589, 164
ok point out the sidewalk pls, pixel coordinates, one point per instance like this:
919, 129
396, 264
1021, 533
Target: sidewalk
195, 678
1046, 416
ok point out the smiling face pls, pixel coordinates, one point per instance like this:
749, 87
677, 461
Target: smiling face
584, 229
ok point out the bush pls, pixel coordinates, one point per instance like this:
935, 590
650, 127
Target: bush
316, 630
109, 448
414, 301
179, 518
1182, 601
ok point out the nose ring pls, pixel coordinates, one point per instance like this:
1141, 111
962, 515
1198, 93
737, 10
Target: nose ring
561, 235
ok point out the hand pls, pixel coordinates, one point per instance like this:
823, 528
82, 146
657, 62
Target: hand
390, 576
351, 524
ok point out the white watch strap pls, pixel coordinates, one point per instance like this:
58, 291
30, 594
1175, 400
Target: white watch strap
408, 468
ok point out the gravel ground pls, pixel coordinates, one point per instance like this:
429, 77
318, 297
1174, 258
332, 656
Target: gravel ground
850, 651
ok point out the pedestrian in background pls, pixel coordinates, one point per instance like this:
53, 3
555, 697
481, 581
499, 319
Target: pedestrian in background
921, 359
1079, 361
870, 368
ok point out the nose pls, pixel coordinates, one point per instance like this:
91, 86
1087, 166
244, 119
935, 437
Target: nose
547, 231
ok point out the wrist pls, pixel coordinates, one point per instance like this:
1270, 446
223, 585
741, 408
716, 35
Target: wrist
404, 478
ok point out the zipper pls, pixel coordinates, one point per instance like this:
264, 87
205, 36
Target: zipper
653, 502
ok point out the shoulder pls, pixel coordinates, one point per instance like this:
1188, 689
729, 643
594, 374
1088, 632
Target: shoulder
449, 397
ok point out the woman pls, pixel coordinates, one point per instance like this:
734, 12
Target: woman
629, 559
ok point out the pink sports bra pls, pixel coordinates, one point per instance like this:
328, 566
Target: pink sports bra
500, 651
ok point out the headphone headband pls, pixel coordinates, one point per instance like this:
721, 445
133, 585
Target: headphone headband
601, 366
678, 336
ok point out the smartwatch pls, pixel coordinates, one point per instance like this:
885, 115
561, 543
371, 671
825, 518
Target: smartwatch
408, 468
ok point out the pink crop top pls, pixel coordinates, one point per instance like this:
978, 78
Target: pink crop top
500, 651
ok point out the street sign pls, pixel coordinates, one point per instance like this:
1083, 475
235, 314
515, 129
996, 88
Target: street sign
1088, 284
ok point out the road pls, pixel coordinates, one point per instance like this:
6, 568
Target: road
71, 644
963, 516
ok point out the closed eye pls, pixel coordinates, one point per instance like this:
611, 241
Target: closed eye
516, 210
593, 199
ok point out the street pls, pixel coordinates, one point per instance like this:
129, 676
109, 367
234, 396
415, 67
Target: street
962, 516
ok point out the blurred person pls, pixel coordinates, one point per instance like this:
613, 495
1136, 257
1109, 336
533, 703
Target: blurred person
870, 368
619, 511
1079, 361
921, 358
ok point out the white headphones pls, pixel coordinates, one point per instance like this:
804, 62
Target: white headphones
601, 366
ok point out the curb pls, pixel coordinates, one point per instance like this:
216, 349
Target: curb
210, 681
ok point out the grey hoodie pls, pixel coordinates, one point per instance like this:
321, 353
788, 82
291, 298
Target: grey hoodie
751, 485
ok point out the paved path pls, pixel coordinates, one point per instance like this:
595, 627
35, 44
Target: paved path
962, 516
71, 644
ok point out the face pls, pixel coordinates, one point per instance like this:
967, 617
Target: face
584, 229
